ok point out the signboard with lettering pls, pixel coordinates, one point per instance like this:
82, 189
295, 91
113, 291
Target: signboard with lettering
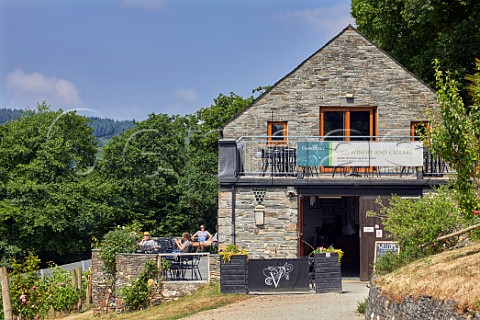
382, 247
360, 153
270, 275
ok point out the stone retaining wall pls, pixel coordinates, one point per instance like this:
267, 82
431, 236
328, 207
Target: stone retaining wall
129, 267
421, 308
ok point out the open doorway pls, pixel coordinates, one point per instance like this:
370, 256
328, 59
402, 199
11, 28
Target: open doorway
333, 221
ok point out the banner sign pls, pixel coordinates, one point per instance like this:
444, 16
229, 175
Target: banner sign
270, 275
360, 154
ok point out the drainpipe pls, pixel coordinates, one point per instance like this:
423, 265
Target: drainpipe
233, 214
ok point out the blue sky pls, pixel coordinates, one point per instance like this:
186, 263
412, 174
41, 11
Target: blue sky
126, 59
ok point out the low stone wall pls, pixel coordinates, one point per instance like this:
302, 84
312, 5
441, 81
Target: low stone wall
421, 308
129, 267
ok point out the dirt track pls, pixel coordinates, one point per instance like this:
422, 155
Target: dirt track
327, 306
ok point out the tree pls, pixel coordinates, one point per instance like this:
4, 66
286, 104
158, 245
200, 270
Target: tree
167, 168
49, 204
455, 134
417, 31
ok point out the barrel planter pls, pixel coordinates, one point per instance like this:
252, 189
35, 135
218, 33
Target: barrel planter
328, 276
233, 274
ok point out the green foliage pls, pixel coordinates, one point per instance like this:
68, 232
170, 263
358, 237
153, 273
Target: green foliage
362, 306
417, 31
118, 240
28, 293
58, 192
51, 202
33, 296
415, 222
455, 135
390, 261
232, 250
136, 295
61, 292
330, 249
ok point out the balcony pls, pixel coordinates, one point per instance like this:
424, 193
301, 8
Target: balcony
314, 158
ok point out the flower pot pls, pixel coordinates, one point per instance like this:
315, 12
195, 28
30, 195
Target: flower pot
328, 276
233, 274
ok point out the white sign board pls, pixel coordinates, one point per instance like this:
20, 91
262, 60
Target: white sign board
377, 153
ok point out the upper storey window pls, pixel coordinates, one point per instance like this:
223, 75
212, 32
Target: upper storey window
277, 132
419, 129
354, 124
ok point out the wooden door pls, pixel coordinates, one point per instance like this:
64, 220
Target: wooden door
371, 230
300, 202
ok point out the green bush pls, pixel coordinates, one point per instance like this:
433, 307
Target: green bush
137, 293
32, 295
417, 223
63, 295
118, 240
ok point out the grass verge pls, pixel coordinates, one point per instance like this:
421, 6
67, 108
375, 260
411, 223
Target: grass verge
206, 298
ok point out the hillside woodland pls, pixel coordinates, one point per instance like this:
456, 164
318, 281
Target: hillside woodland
60, 193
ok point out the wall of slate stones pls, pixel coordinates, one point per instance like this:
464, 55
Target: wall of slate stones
422, 308
276, 238
348, 64
129, 267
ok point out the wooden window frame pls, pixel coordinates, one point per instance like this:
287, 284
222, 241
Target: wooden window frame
347, 110
414, 124
284, 139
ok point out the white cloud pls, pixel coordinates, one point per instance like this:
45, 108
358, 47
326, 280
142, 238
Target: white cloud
327, 20
188, 95
150, 5
26, 90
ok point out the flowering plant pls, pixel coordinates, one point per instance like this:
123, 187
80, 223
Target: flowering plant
230, 251
330, 249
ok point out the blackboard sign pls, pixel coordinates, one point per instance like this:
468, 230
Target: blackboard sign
270, 275
382, 247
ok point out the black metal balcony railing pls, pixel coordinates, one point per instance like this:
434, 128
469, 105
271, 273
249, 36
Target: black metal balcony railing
301, 157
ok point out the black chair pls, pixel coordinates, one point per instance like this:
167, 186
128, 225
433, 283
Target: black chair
191, 262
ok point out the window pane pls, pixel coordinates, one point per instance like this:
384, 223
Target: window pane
359, 125
333, 124
420, 130
278, 131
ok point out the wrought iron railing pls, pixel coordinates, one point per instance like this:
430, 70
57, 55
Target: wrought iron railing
259, 156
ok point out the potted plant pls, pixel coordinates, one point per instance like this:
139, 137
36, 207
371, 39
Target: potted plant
233, 270
328, 276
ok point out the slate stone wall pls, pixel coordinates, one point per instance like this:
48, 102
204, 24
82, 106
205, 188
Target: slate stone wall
129, 267
276, 238
349, 64
422, 308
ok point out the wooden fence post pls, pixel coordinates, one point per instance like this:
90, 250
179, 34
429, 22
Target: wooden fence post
88, 294
79, 288
7, 305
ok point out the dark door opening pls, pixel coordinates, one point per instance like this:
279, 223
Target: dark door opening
333, 221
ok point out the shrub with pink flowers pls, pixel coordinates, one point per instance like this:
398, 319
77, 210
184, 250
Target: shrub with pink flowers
32, 295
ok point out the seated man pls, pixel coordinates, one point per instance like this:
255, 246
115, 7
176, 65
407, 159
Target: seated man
147, 244
203, 237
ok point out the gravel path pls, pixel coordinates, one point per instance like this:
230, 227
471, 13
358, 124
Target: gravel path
326, 306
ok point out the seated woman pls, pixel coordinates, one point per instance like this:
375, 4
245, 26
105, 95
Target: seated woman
203, 237
183, 244
147, 244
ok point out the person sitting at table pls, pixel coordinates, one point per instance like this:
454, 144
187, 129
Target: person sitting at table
183, 244
202, 236
215, 237
147, 244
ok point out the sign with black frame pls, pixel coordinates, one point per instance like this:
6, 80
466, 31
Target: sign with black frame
382, 247
278, 275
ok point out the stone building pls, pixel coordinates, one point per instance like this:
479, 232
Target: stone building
301, 166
